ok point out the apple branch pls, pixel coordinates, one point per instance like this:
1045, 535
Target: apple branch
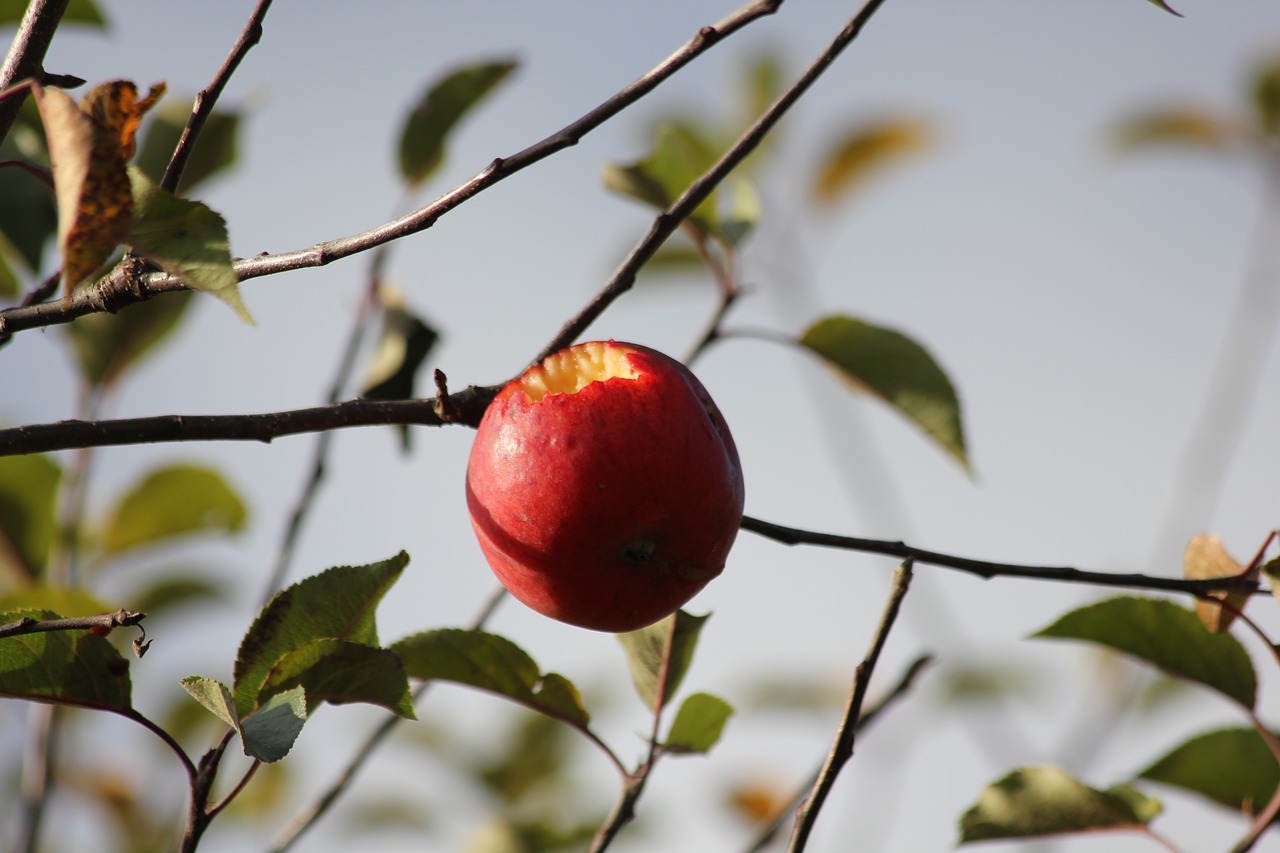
205, 100
842, 747
30, 625
118, 290
670, 219
25, 59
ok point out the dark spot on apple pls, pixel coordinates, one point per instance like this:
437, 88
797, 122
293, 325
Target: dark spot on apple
640, 551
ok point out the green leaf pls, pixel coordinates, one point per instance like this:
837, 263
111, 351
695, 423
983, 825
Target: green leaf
29, 216
402, 348
743, 214
160, 595
1184, 126
9, 284
1167, 636
28, 499
186, 238
68, 602
680, 156
215, 697
896, 369
171, 502
336, 604
864, 152
78, 12
1038, 801
1165, 6
494, 664
105, 345
270, 732
647, 648
1232, 767
1266, 97
341, 672
63, 667
441, 107
215, 149
698, 724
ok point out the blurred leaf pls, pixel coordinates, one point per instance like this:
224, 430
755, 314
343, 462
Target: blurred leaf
106, 344
647, 648
402, 348
1271, 569
273, 786
1039, 801
896, 369
1167, 636
9, 284
761, 85
340, 672
186, 238
215, 149
1266, 97
215, 697
170, 502
336, 604
866, 151
1176, 126
698, 724
269, 732
441, 107
95, 206
78, 12
494, 664
69, 602
1232, 767
759, 801
63, 667
792, 692
1165, 6
28, 502
531, 762
743, 214
164, 594
985, 683
29, 216
680, 156
1204, 559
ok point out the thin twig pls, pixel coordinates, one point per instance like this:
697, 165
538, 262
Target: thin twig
108, 295
987, 570
842, 747
26, 55
205, 101
670, 219
29, 625
868, 717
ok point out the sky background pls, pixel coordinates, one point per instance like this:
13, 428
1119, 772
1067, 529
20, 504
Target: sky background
1077, 299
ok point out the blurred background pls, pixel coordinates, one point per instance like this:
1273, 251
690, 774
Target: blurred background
1079, 292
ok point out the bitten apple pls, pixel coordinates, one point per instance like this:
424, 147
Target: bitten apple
604, 486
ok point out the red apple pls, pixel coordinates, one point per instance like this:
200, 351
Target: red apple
604, 486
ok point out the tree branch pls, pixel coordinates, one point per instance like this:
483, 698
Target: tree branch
842, 747
988, 570
29, 625
115, 291
683, 207
249, 36
26, 55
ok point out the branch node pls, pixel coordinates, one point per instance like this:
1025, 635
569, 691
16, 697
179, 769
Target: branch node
444, 403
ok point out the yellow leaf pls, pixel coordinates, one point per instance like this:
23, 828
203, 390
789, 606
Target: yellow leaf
864, 152
116, 110
1206, 558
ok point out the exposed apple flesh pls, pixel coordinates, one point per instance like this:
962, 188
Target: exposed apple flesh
604, 486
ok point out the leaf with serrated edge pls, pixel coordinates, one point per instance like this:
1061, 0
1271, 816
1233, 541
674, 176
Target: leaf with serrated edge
698, 724
1167, 636
1232, 767
338, 604
646, 648
1042, 801
896, 369
215, 697
339, 672
492, 663
186, 238
170, 502
1206, 558
63, 667
270, 732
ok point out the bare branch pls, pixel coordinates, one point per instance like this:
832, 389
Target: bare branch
29, 625
26, 54
987, 570
205, 101
116, 291
683, 207
465, 407
842, 748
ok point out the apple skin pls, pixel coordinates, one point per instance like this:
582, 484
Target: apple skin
611, 506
